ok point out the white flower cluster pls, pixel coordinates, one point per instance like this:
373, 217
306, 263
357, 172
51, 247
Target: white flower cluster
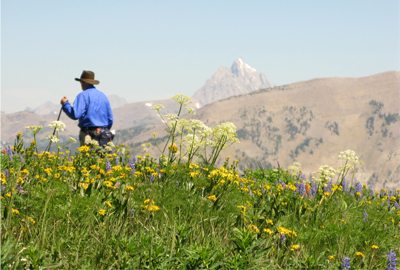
295, 168
350, 159
35, 129
181, 99
53, 138
326, 173
57, 125
226, 129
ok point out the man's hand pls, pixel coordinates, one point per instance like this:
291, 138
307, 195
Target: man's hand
64, 100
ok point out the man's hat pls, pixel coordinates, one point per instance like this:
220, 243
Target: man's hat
87, 76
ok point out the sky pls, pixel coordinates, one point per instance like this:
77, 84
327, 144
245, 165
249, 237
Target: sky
150, 50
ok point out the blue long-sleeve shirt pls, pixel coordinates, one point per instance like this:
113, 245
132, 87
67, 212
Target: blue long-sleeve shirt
92, 108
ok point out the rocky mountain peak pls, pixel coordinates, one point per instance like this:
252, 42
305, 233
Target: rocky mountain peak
240, 68
240, 79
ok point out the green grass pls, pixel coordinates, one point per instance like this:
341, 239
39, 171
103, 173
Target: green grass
51, 216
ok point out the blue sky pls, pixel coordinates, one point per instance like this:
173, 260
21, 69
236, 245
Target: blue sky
147, 50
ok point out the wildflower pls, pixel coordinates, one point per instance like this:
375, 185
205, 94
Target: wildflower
30, 219
173, 148
53, 138
331, 258
295, 247
14, 211
84, 149
152, 208
359, 254
108, 203
301, 189
35, 129
268, 230
253, 228
102, 212
345, 263
148, 201
108, 166
84, 185
391, 262
358, 188
326, 172
285, 231
212, 198
374, 247
158, 107
269, 221
129, 188
57, 125
350, 158
181, 99
295, 168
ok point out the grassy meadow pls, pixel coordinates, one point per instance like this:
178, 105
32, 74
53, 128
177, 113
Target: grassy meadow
106, 208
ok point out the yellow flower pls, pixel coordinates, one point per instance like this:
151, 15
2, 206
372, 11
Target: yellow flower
108, 184
359, 254
152, 208
327, 194
374, 247
129, 188
84, 185
30, 219
268, 230
173, 148
287, 232
269, 221
295, 247
14, 211
253, 228
212, 198
331, 258
108, 203
84, 149
148, 201
102, 212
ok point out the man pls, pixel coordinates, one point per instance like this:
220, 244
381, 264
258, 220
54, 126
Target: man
92, 109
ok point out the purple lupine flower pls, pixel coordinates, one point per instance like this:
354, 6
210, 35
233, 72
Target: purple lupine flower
303, 176
151, 178
7, 173
391, 262
132, 165
345, 263
365, 216
108, 166
344, 185
9, 151
396, 205
358, 187
314, 188
301, 188
282, 237
328, 186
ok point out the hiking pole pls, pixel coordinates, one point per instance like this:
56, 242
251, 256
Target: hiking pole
54, 132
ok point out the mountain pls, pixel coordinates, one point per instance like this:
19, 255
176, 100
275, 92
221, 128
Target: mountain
240, 79
311, 122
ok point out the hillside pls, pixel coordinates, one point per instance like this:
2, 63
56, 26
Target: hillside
311, 122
